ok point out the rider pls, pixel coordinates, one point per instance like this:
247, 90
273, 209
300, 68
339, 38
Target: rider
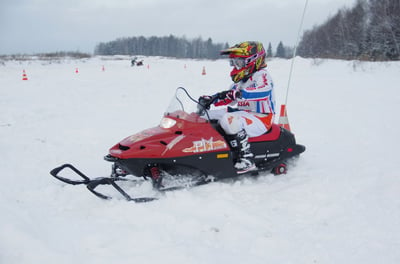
252, 91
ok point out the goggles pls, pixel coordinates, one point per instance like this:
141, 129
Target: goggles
237, 62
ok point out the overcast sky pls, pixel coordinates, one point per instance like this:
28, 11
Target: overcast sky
34, 26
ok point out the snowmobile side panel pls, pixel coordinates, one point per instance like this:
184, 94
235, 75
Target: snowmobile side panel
217, 164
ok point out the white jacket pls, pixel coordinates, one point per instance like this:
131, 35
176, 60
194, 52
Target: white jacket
257, 94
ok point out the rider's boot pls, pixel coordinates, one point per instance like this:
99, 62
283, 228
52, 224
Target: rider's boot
244, 157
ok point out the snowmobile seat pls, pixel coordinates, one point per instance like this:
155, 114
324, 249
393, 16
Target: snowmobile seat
270, 135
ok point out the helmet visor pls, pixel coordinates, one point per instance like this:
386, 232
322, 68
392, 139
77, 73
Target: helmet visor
237, 62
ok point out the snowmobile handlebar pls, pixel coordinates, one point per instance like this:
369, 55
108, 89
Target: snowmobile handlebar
206, 101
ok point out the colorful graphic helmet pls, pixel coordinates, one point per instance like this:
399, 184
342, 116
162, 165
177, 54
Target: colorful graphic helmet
246, 58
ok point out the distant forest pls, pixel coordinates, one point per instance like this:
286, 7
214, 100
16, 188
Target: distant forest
169, 46
172, 46
368, 31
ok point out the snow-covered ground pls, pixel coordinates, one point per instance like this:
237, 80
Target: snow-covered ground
339, 204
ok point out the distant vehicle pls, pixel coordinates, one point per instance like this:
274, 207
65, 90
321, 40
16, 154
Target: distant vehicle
134, 62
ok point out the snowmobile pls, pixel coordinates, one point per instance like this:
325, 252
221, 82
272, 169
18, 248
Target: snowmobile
135, 62
186, 149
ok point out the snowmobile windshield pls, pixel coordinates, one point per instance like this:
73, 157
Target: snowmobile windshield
183, 106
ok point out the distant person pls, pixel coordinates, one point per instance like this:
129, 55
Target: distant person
252, 91
133, 61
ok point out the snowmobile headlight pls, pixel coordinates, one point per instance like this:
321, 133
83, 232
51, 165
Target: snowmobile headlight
167, 122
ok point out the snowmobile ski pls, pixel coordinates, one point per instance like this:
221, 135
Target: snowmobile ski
92, 184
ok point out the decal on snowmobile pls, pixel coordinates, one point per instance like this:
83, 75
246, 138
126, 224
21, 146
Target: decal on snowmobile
205, 145
172, 143
271, 155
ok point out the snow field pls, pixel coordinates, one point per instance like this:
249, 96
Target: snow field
340, 202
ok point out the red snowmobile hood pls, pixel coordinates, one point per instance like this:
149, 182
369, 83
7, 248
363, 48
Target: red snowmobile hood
185, 137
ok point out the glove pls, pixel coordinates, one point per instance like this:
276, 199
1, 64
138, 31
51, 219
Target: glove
230, 95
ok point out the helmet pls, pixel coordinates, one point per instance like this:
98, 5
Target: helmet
246, 58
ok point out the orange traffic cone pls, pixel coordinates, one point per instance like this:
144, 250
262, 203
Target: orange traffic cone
283, 118
204, 71
24, 76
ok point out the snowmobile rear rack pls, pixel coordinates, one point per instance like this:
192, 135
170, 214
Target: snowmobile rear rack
92, 184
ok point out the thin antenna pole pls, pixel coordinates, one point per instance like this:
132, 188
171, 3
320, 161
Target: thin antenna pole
295, 51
